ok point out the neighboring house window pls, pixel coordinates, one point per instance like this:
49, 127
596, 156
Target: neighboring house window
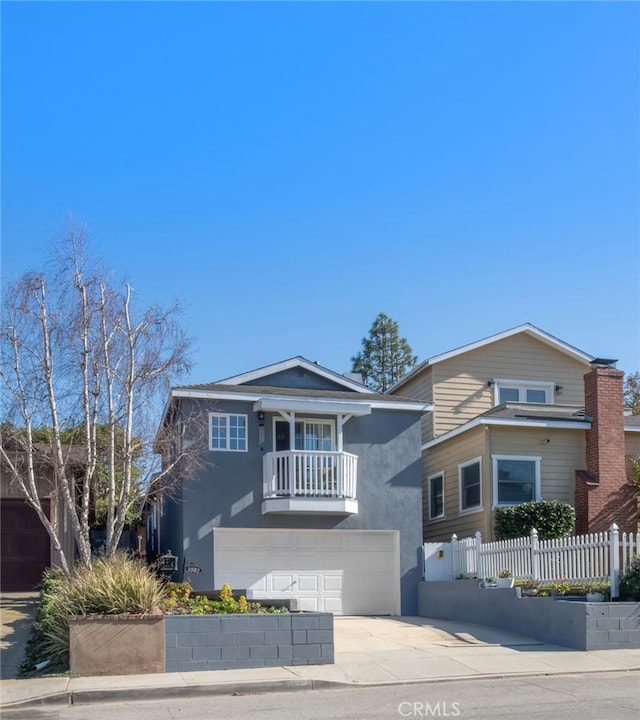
524, 391
436, 496
470, 479
516, 479
228, 432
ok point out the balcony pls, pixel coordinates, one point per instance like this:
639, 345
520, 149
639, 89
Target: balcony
305, 481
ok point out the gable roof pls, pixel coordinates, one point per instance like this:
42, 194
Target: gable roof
268, 398
525, 329
355, 398
295, 362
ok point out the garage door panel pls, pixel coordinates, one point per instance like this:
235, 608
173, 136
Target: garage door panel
308, 583
319, 570
309, 604
333, 605
283, 541
332, 542
332, 583
307, 542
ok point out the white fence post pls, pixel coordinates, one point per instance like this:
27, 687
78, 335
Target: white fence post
614, 558
479, 568
424, 561
455, 559
535, 567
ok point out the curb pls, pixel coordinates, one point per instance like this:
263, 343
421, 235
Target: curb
86, 697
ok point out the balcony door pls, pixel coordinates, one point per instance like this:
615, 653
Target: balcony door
309, 435
307, 474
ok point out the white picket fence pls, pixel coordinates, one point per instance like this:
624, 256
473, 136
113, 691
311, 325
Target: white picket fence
581, 558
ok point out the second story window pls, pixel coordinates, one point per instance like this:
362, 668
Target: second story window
228, 432
523, 391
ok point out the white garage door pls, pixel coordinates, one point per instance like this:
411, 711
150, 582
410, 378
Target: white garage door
346, 572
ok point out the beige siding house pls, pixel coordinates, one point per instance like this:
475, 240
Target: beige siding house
508, 425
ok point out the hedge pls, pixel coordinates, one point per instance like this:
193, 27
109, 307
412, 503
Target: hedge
551, 518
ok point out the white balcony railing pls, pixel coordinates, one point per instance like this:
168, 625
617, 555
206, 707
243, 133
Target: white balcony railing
305, 473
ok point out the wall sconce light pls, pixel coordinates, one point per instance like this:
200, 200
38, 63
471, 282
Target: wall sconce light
559, 389
261, 430
491, 383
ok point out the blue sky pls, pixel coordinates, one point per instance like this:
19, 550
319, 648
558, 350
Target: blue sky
289, 170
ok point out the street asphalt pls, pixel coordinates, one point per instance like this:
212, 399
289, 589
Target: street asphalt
368, 651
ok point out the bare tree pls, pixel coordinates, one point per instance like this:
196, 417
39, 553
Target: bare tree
80, 356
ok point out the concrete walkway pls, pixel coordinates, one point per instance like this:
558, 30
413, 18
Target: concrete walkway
369, 651
17, 614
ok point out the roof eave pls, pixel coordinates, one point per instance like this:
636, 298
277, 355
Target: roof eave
527, 328
507, 422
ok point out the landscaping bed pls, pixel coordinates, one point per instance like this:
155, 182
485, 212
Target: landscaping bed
118, 619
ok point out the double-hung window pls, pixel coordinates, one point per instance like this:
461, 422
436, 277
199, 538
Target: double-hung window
228, 432
516, 479
436, 496
470, 481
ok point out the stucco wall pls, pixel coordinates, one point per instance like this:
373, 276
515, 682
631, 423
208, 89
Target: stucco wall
228, 491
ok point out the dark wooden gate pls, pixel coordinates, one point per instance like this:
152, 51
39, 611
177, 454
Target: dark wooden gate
24, 546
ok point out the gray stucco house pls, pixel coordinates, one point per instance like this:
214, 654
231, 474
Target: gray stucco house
310, 490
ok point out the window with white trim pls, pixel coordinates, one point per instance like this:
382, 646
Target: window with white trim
318, 435
228, 432
524, 391
470, 481
436, 496
516, 479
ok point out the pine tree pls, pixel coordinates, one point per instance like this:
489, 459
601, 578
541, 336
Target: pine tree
385, 356
632, 393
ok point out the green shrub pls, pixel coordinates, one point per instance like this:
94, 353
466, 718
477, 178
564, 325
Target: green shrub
112, 586
630, 581
181, 600
551, 518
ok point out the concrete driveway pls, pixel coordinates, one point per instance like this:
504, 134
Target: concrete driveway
17, 614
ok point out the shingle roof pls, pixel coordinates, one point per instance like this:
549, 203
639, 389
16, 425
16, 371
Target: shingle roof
525, 412
295, 392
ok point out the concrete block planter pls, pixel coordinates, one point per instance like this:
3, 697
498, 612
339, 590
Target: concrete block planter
221, 642
135, 644
573, 622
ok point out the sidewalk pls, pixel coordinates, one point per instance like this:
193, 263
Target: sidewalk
369, 651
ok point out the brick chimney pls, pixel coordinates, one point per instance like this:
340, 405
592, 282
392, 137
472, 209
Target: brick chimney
603, 494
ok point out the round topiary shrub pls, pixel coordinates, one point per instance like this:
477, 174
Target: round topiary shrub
551, 518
